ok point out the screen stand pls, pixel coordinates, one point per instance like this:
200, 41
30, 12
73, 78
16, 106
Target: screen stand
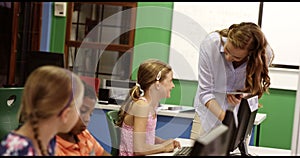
243, 148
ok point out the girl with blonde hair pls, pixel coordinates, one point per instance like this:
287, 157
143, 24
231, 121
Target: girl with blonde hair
138, 116
50, 103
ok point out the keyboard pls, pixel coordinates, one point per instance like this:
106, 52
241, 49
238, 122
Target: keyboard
184, 151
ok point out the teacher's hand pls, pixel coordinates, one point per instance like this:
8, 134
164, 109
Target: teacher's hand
234, 100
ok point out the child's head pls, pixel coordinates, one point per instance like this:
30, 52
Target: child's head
149, 72
86, 110
52, 92
153, 76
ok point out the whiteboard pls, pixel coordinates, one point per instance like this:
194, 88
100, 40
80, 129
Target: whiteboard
280, 24
192, 21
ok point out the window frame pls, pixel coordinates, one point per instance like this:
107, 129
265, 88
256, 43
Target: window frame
122, 48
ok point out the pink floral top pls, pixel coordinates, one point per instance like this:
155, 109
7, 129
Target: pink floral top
14, 144
126, 141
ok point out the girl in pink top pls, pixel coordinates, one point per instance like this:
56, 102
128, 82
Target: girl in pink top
137, 117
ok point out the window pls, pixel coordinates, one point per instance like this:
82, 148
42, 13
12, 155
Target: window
100, 38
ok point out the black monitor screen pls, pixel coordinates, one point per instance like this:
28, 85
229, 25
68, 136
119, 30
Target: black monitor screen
35, 59
246, 115
230, 122
215, 143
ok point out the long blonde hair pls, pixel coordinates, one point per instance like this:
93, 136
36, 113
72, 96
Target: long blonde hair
248, 35
47, 91
149, 72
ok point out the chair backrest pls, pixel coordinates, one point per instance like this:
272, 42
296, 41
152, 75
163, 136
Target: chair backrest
94, 82
114, 131
10, 101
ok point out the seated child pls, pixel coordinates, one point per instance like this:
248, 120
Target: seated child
50, 104
79, 141
138, 114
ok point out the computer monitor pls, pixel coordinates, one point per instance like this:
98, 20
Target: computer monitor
35, 59
214, 143
115, 91
246, 115
231, 122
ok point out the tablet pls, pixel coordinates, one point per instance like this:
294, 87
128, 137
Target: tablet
235, 93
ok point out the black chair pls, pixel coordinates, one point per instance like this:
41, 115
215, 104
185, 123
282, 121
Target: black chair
114, 130
10, 101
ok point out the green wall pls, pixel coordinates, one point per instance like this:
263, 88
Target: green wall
58, 33
152, 40
152, 33
276, 130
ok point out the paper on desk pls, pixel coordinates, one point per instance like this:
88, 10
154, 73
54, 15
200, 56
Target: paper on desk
174, 108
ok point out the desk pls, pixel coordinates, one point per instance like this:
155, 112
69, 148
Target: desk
253, 150
259, 118
170, 124
185, 114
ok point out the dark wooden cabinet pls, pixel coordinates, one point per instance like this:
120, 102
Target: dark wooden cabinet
20, 31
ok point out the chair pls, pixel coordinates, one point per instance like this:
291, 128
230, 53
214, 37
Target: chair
10, 101
114, 131
94, 82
